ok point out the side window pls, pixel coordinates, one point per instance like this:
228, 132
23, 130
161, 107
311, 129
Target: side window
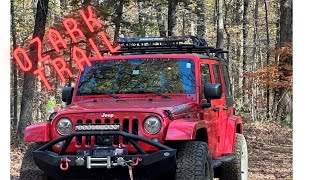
216, 73
205, 76
226, 81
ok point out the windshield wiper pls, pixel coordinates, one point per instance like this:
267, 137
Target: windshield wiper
111, 94
151, 92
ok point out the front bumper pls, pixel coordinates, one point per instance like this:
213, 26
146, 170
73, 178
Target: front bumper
152, 166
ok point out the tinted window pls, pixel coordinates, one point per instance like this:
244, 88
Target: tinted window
131, 75
205, 76
226, 81
216, 73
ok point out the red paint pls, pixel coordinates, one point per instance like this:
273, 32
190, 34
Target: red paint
27, 64
62, 68
39, 45
55, 39
39, 132
184, 129
90, 18
72, 29
39, 72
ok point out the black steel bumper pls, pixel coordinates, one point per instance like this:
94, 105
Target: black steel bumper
152, 166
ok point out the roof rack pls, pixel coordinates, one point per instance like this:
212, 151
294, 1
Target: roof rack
166, 45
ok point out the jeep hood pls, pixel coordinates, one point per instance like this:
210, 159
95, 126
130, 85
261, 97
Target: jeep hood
138, 105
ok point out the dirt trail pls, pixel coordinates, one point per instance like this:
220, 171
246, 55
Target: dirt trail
270, 153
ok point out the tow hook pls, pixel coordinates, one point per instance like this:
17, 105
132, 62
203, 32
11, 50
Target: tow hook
132, 165
135, 163
64, 163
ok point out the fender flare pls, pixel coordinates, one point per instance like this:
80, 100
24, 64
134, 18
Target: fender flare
184, 129
39, 132
239, 125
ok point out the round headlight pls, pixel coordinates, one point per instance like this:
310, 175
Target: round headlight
152, 125
64, 126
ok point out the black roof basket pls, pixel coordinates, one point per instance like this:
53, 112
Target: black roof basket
166, 45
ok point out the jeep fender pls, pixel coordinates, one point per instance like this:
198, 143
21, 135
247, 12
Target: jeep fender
184, 129
39, 132
238, 123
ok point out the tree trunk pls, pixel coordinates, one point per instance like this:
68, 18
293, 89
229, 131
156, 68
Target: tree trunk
172, 17
200, 11
118, 19
255, 34
285, 22
245, 46
160, 19
220, 28
226, 30
29, 82
268, 56
284, 109
14, 69
254, 63
142, 16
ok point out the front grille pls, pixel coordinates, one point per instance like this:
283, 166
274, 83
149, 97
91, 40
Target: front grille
127, 125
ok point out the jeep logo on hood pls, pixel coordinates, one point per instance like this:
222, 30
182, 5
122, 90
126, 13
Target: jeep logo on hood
104, 115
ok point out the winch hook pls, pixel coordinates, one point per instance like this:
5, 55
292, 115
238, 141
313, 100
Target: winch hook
64, 163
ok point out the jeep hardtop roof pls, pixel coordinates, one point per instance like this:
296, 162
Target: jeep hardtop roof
168, 45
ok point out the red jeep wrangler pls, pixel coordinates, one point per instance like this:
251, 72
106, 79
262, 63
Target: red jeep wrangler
158, 108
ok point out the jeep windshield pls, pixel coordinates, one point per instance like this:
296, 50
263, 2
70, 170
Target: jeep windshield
138, 76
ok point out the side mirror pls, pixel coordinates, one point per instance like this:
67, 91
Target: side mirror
67, 93
212, 91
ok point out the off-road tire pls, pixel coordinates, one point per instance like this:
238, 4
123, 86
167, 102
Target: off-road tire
238, 168
194, 161
29, 169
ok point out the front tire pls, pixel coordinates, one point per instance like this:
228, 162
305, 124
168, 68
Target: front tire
29, 169
238, 168
194, 161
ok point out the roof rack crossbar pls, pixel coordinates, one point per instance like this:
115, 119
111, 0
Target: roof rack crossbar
165, 45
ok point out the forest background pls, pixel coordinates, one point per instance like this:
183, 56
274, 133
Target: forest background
257, 34
306, 71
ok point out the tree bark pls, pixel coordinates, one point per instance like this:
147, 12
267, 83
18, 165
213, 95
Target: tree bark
29, 84
254, 61
200, 11
142, 16
220, 28
255, 33
172, 17
285, 22
118, 19
14, 69
245, 46
268, 56
226, 7
160, 20
284, 109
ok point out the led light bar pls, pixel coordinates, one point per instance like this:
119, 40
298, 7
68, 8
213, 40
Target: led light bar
98, 127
